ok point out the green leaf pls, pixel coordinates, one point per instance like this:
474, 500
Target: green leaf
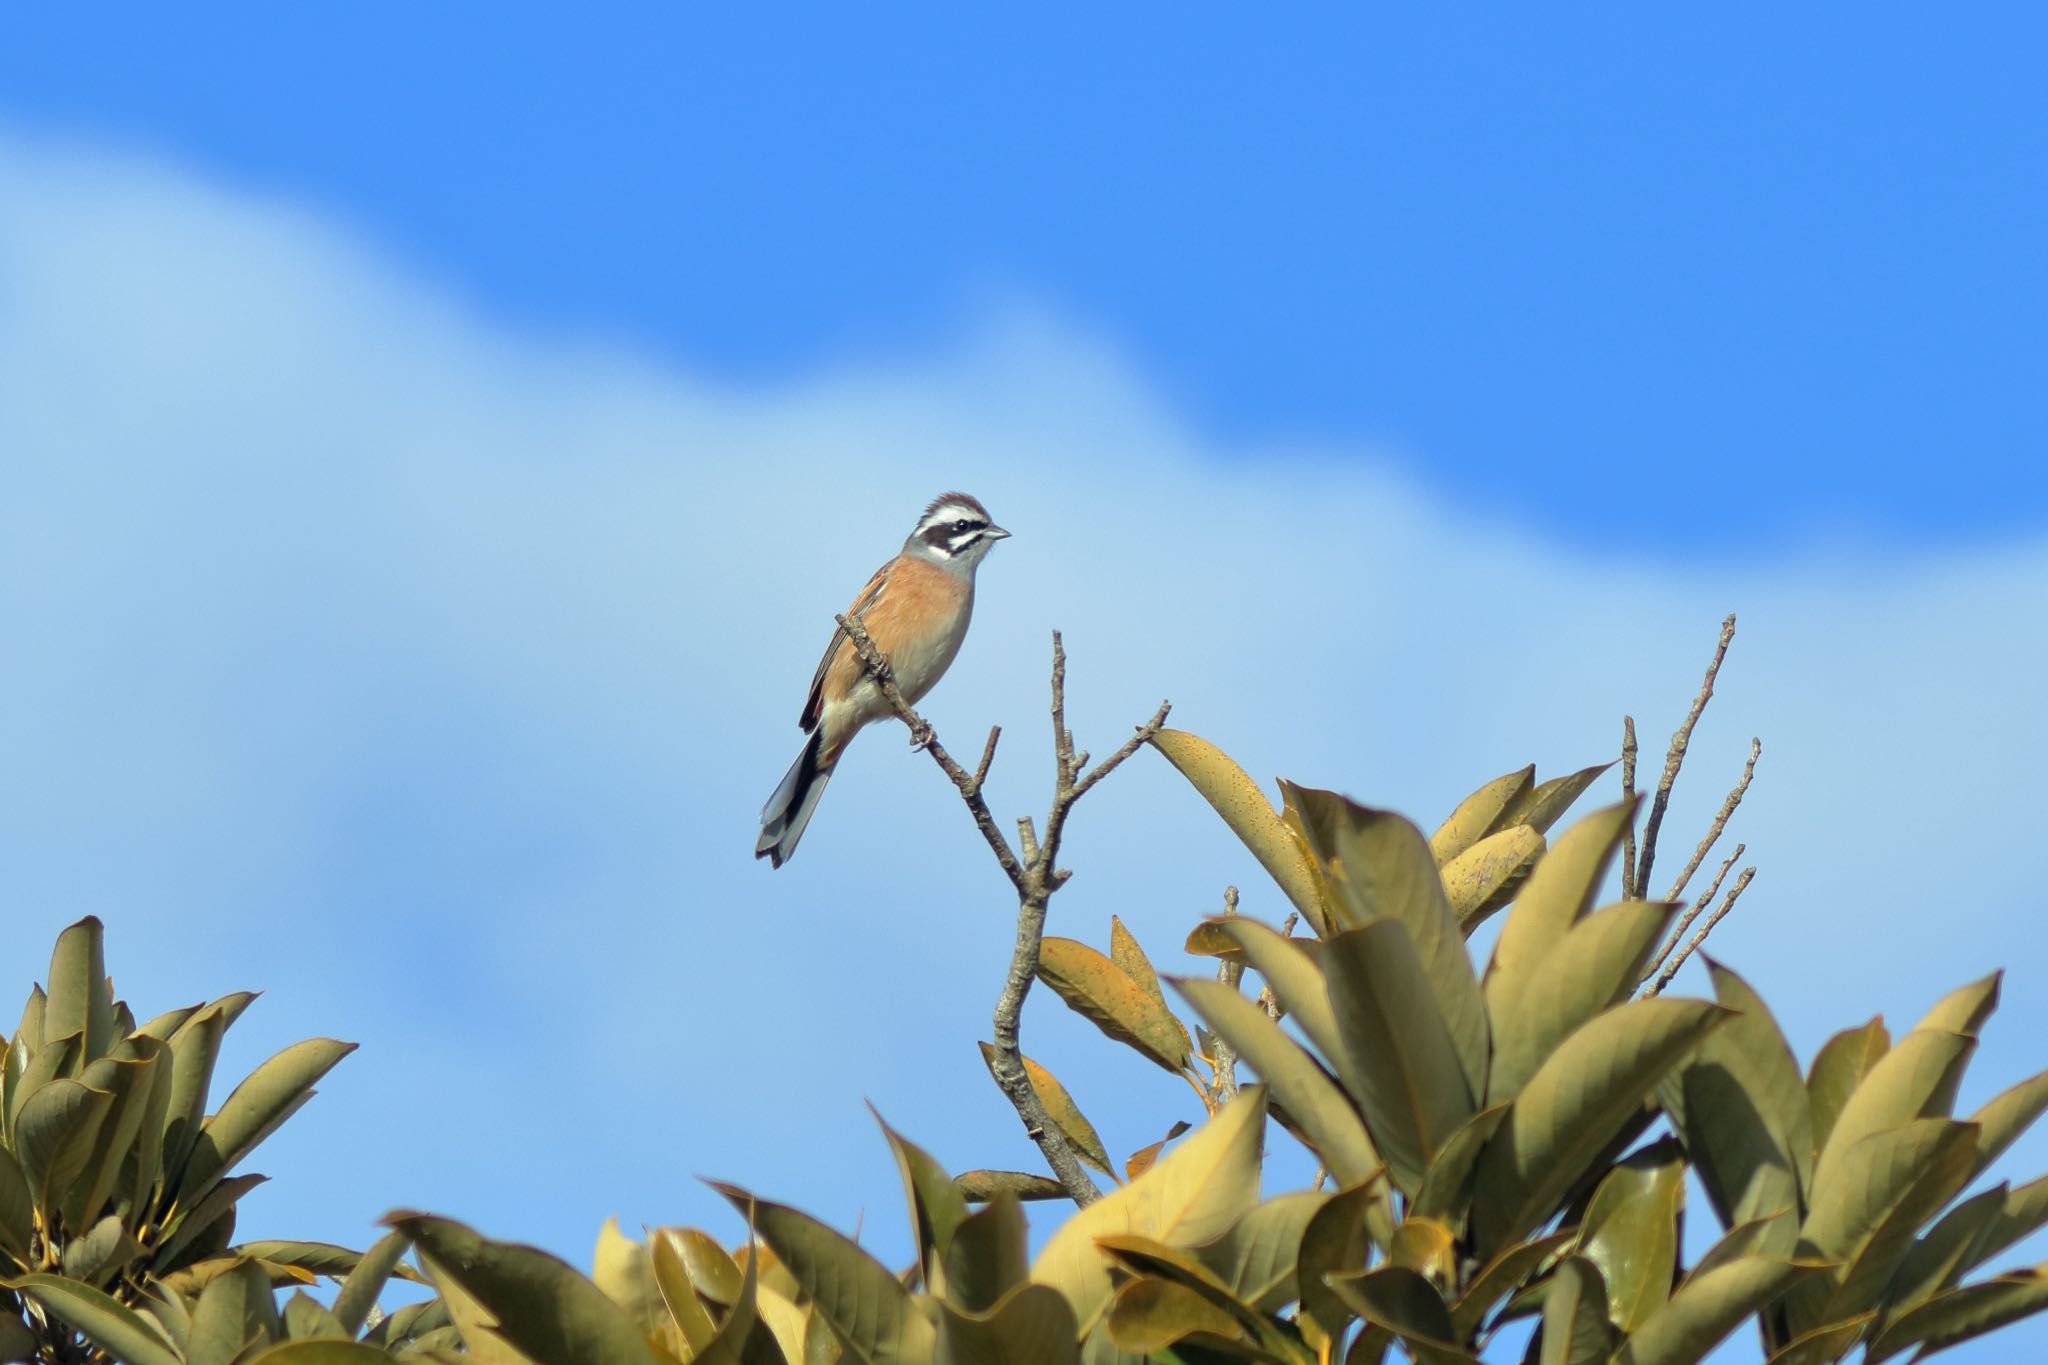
108, 1324
1838, 1069
321, 1353
1742, 1109
1378, 867
1398, 1298
1099, 991
1907, 1083
1398, 1060
1031, 1325
1868, 1203
1577, 1101
1595, 964
1576, 1330
55, 1058
1939, 1260
54, 1136
1149, 1259
1337, 1240
17, 1210
195, 1047
81, 1000
1251, 818
272, 1093
1630, 1232
1500, 1277
686, 1311
359, 1291
1823, 1345
936, 1208
129, 1080
1194, 1194
2024, 1211
858, 1295
1957, 1316
1540, 809
1486, 876
2005, 1116
988, 1257
1259, 1256
1964, 1009
1447, 1185
1564, 883
1298, 1085
542, 1306
1478, 815
1708, 1306
979, 1187
185, 1226
1296, 979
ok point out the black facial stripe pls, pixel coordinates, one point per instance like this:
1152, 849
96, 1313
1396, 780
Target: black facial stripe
943, 537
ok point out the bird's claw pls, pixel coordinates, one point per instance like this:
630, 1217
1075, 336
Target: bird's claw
920, 736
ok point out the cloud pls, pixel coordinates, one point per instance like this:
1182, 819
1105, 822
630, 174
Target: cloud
427, 670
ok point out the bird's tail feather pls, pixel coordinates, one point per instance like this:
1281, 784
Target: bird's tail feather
789, 809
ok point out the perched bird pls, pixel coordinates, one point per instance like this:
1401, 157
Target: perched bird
915, 609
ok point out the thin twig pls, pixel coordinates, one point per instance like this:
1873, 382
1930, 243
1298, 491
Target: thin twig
1692, 913
1268, 1001
1036, 876
1713, 835
1629, 889
1230, 974
1720, 913
1676, 755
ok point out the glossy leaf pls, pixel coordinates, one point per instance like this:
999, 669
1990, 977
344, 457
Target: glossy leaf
53, 1136
1297, 1083
2004, 1117
1194, 1195
1576, 1330
1960, 1314
1838, 1069
1378, 867
1337, 1240
2025, 1210
1098, 990
1500, 1277
1149, 1315
81, 1000
1707, 1307
366, 1279
272, 1093
1031, 1325
1250, 815
1447, 1184
1907, 1083
1402, 1301
1397, 1058
1574, 1105
1630, 1232
112, 1326
1259, 1255
541, 1305
1479, 815
1595, 964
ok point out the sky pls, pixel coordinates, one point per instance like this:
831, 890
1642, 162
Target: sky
433, 456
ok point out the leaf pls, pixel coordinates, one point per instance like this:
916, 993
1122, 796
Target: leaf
541, 1305
1258, 1257
1960, 1314
979, 1187
1149, 1259
1867, 1205
129, 1081
1595, 964
1207, 939
1398, 1298
358, 1292
1098, 990
936, 1208
54, 1136
81, 1000
1566, 879
1964, 1009
1149, 1315
1447, 1185
272, 1093
2005, 1116
1142, 1160
116, 1329
1540, 809
1298, 1085
1061, 1109
2025, 1209
1195, 1194
1295, 977
1251, 818
1500, 1277
1939, 1260
1031, 1325
1577, 1101
106, 1246
17, 1210
1487, 876
1707, 1307
1478, 815
1337, 1241
624, 1270
1907, 1083
1575, 1326
185, 1228
195, 1046
1838, 1068
686, 1311
1630, 1232
1378, 867
321, 1353
235, 1309
1742, 1109
857, 1294
988, 1256
1126, 954
1396, 1056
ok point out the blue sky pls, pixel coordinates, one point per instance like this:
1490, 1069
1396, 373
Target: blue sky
1563, 263
433, 458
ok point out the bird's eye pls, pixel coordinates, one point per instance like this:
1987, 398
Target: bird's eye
961, 525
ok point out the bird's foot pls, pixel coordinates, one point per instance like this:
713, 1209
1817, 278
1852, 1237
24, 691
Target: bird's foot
920, 736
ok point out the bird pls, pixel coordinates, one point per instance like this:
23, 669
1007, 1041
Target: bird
916, 610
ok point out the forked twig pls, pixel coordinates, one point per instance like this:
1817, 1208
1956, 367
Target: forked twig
1713, 834
1675, 757
1692, 913
1035, 876
1720, 913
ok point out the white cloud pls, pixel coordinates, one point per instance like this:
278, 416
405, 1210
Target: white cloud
429, 674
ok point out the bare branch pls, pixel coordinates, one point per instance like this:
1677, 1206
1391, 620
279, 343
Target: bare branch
1713, 835
1629, 889
1692, 913
1036, 876
1675, 757
1230, 974
1720, 913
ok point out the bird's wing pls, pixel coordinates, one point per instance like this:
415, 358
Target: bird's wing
815, 702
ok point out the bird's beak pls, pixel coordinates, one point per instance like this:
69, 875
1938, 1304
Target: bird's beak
996, 533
